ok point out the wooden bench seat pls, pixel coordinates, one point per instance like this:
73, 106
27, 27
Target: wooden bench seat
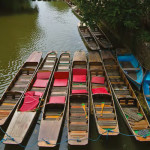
131, 69
147, 96
104, 109
107, 123
122, 92
80, 110
73, 127
111, 115
6, 107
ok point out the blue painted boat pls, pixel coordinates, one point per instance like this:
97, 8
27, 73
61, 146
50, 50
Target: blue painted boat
146, 88
131, 67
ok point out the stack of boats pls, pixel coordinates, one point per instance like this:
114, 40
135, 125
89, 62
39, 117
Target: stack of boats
55, 87
94, 37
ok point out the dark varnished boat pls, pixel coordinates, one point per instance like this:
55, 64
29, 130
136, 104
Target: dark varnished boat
30, 103
55, 104
101, 37
102, 100
77, 12
88, 38
70, 3
131, 67
18, 86
126, 99
79, 105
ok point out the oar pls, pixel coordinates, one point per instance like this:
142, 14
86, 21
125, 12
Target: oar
83, 105
102, 108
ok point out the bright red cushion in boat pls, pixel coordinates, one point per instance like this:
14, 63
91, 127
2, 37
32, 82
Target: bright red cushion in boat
99, 80
40, 94
30, 93
61, 75
30, 103
60, 82
40, 83
79, 71
57, 100
101, 90
81, 91
79, 78
43, 75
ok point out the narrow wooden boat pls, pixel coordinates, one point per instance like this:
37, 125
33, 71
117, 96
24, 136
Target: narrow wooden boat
79, 105
126, 99
55, 104
102, 100
70, 3
146, 88
101, 37
88, 38
30, 103
18, 86
131, 67
77, 12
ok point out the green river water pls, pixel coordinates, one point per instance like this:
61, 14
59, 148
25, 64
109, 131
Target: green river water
53, 27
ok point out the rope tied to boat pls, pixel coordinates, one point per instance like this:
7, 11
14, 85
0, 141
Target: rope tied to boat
47, 142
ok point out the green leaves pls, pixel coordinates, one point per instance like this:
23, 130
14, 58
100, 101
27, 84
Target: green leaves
119, 13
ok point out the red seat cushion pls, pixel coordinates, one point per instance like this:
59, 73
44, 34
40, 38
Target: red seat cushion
60, 82
30, 103
79, 71
43, 75
81, 91
57, 100
61, 75
99, 80
34, 93
40, 83
30, 93
40, 94
79, 78
101, 90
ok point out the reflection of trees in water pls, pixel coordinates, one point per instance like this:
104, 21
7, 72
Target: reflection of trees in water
59, 5
15, 5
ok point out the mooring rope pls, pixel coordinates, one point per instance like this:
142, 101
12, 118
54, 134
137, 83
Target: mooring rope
78, 140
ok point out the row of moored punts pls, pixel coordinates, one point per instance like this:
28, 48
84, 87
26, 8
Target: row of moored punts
58, 87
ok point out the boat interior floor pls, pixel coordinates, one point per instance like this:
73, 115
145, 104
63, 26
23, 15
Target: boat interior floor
131, 73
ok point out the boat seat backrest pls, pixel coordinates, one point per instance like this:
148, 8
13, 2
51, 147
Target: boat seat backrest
61, 75
79, 71
43, 75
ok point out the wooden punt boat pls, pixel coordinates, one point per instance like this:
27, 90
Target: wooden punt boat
79, 105
77, 12
31, 101
70, 3
102, 99
88, 38
55, 104
131, 67
18, 86
126, 99
146, 88
101, 37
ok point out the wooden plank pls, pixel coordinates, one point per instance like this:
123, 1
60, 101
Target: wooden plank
80, 56
19, 126
131, 69
94, 57
34, 57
